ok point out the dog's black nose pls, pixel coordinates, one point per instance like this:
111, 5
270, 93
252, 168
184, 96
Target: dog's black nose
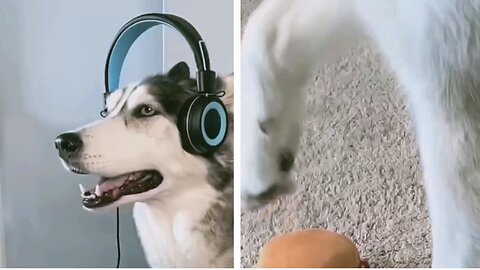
68, 142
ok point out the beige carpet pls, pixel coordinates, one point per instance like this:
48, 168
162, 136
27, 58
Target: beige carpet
357, 171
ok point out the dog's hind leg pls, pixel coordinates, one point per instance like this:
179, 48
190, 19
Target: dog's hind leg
434, 48
283, 42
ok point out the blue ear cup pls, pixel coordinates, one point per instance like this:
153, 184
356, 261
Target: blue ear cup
203, 124
202, 120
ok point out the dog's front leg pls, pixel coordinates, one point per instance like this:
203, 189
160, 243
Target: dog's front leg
283, 42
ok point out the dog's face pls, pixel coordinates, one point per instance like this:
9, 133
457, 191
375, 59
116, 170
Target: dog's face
136, 150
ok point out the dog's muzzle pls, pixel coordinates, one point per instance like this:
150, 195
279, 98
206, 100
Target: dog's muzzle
109, 189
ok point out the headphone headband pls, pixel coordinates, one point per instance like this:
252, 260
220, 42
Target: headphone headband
201, 120
126, 36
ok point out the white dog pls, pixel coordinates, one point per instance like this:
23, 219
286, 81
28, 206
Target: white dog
434, 48
183, 203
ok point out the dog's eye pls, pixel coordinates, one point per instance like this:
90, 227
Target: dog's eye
146, 111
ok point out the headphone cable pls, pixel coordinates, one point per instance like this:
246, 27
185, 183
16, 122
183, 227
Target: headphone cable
118, 238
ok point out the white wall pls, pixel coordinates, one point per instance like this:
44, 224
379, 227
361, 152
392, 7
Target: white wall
213, 19
52, 56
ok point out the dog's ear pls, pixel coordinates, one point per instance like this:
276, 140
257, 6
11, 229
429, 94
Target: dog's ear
179, 72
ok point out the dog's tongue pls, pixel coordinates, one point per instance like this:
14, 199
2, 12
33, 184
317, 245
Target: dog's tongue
107, 183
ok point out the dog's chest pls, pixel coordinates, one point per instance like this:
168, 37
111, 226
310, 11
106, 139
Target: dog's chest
171, 239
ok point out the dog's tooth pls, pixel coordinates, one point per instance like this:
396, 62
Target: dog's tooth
89, 196
98, 192
82, 189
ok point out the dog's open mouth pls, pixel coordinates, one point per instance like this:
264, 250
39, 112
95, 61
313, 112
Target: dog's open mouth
111, 189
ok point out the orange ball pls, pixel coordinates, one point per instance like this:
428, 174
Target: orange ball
310, 249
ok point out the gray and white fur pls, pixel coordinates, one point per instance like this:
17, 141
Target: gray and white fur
187, 221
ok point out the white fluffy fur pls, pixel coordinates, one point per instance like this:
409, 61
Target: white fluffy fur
167, 217
434, 48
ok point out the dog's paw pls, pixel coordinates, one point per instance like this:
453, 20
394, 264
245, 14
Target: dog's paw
267, 160
252, 201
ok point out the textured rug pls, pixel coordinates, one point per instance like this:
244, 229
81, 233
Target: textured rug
357, 171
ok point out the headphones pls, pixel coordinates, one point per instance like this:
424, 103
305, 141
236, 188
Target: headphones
202, 120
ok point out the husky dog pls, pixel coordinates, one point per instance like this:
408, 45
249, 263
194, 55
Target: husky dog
434, 48
183, 203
